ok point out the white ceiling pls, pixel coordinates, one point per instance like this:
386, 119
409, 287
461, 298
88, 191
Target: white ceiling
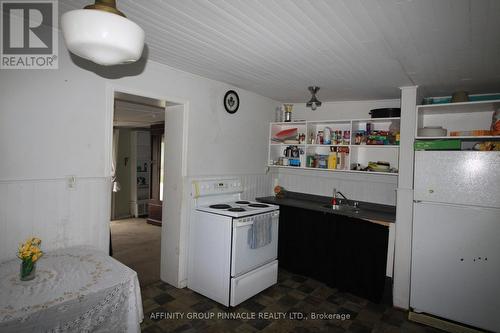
352, 49
137, 111
120, 96
128, 114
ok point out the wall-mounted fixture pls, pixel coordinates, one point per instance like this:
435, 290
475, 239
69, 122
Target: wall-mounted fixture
102, 34
231, 101
313, 102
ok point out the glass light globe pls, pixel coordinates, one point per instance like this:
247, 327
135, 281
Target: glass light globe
102, 37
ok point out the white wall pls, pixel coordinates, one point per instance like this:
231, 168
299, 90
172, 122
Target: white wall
373, 188
123, 175
54, 123
60, 217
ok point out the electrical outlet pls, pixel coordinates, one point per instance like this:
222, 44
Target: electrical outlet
71, 182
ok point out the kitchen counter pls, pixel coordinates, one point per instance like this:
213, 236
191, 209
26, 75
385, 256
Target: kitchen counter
376, 213
345, 250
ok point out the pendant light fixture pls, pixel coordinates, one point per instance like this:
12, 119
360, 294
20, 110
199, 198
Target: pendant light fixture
313, 102
102, 34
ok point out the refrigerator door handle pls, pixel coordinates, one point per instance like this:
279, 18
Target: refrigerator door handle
417, 201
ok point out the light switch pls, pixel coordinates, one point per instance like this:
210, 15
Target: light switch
71, 182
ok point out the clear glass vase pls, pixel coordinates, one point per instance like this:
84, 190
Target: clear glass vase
28, 270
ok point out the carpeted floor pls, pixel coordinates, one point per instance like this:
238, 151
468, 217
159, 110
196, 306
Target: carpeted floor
137, 245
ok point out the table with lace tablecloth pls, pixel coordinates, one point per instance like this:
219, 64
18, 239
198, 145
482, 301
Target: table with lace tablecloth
77, 289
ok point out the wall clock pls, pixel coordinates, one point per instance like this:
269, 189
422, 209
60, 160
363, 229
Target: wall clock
231, 101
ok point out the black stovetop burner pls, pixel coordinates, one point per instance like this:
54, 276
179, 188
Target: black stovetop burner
220, 206
236, 209
256, 205
242, 202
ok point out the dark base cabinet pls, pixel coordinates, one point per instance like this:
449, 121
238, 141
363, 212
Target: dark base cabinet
305, 243
345, 253
154, 212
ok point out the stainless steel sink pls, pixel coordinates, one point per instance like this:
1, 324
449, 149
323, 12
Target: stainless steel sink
343, 208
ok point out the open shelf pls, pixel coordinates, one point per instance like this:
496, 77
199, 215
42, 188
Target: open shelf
288, 144
374, 146
341, 146
141, 170
291, 123
327, 145
465, 116
335, 170
482, 137
478, 106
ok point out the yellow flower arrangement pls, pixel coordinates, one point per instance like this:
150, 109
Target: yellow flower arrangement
30, 250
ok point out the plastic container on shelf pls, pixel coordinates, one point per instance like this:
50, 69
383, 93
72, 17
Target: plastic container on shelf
327, 136
322, 161
332, 160
471, 133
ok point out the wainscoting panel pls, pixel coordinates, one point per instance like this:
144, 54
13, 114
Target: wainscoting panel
60, 216
256, 186
370, 187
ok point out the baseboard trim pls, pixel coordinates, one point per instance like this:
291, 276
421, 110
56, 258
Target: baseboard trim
441, 324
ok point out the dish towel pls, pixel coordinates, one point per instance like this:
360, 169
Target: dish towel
261, 232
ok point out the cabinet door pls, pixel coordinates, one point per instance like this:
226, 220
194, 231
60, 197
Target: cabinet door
318, 243
291, 238
345, 253
305, 244
288, 224
362, 260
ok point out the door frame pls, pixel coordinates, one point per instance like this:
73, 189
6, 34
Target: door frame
111, 89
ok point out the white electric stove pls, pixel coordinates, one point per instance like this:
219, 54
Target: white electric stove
238, 208
222, 264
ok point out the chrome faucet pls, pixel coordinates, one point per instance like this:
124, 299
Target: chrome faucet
337, 193
336, 204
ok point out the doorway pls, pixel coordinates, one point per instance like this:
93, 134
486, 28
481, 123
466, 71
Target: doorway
155, 205
137, 181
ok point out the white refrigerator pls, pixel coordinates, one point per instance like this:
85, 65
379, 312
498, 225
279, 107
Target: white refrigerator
455, 270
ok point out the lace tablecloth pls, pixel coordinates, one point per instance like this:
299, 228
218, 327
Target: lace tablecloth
77, 289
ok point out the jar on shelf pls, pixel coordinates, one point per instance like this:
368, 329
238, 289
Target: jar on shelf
288, 112
319, 138
347, 137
